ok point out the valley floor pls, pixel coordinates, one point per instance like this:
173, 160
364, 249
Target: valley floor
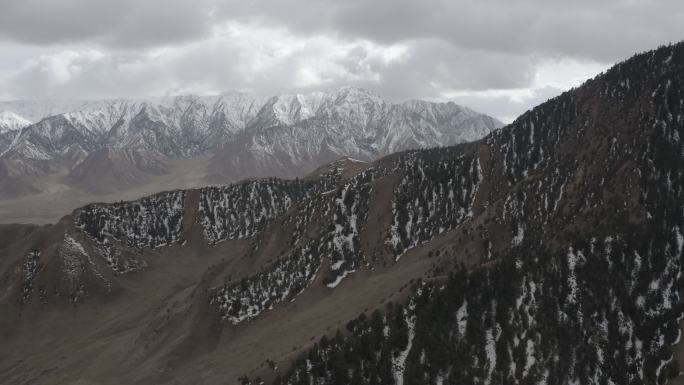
59, 199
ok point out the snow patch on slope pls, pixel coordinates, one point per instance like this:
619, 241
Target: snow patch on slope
399, 362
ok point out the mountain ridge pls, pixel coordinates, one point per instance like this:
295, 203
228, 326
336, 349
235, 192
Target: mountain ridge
221, 139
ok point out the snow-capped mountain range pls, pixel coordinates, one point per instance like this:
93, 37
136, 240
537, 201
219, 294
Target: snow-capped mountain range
243, 134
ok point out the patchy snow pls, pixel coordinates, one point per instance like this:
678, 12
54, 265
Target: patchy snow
558, 199
436, 205
354, 160
490, 351
398, 362
287, 278
462, 318
76, 262
339, 278
244, 209
519, 236
680, 239
74, 257
350, 208
572, 278
152, 221
663, 364
30, 269
530, 358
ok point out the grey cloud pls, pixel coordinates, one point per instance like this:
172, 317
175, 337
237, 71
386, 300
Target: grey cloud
598, 30
434, 67
505, 107
121, 23
39, 22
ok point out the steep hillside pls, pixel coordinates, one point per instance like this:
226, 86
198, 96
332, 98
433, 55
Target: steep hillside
587, 290
548, 252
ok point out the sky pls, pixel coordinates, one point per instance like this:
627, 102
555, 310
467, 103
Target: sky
500, 57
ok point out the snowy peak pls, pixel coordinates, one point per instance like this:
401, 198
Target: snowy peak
288, 109
355, 95
420, 124
291, 109
51, 138
239, 106
9, 121
36, 110
355, 107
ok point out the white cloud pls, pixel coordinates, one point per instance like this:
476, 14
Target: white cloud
235, 57
551, 77
565, 73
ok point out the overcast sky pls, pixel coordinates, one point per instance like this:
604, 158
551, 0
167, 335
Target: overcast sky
497, 56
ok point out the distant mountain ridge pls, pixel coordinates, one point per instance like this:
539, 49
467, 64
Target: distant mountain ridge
243, 136
199, 119
118, 122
